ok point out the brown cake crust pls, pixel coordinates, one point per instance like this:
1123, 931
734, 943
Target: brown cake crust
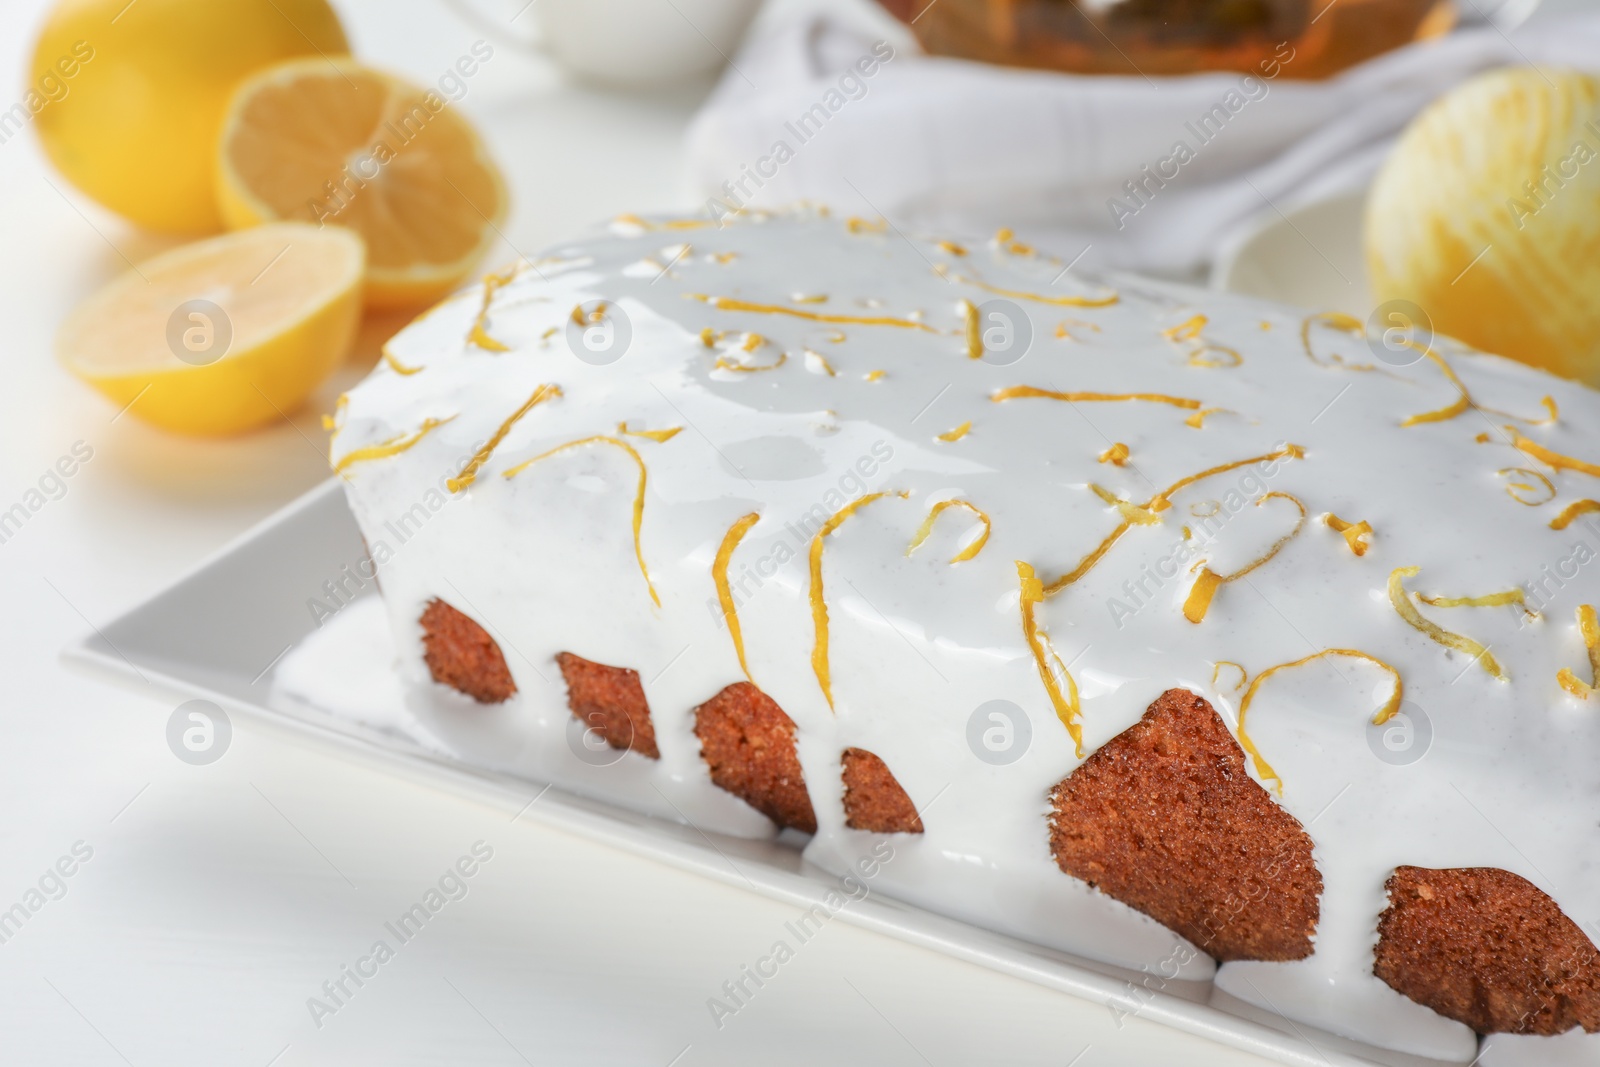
611, 702
873, 798
462, 655
1165, 819
1489, 949
747, 742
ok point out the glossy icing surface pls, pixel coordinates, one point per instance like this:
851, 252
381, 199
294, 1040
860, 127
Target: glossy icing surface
1150, 457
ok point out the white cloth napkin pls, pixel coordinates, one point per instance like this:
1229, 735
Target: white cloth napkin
952, 146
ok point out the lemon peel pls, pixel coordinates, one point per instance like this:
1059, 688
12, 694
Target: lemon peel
748, 368
1130, 512
1187, 330
658, 436
969, 317
479, 334
1216, 672
395, 365
1390, 708
1066, 703
1334, 320
971, 550
958, 433
719, 575
392, 447
1552, 459
1571, 512
1353, 532
1205, 587
1461, 643
1116, 455
1021, 392
725, 303
1198, 419
1223, 357
1040, 298
1462, 403
1589, 627
819, 603
638, 497
1516, 489
469, 473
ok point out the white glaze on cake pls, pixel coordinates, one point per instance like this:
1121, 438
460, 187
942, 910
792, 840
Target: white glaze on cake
546, 561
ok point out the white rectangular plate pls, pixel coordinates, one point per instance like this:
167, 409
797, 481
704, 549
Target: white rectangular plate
215, 632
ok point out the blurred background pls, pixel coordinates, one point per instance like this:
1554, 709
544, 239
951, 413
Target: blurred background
1229, 144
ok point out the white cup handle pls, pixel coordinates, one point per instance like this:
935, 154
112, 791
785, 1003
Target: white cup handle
513, 23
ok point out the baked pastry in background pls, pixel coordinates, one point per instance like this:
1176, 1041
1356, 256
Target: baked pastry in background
1165, 627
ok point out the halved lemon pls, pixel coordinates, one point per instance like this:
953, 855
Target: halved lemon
224, 334
336, 142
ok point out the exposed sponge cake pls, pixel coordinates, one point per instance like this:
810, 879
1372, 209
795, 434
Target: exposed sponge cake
462, 655
1165, 818
610, 701
1489, 949
748, 745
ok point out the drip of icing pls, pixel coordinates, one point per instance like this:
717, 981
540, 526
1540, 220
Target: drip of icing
1460, 642
719, 575
638, 497
469, 473
972, 549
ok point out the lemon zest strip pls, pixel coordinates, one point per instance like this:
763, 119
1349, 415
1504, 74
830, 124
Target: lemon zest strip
1216, 672
1224, 358
724, 303
969, 316
719, 575
1334, 320
1020, 392
392, 447
1131, 512
469, 473
659, 436
1066, 704
1553, 459
479, 334
970, 551
958, 433
638, 497
1589, 626
819, 603
1385, 713
746, 368
1445, 414
1571, 513
1461, 643
1205, 587
1116, 455
395, 365
1353, 532
1188, 330
1198, 419
1512, 490
1040, 298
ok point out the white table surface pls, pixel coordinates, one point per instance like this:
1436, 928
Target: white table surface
219, 898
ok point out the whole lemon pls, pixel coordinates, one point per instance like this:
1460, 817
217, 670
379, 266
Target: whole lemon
128, 98
1487, 217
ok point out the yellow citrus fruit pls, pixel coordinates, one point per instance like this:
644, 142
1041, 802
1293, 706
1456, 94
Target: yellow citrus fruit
1487, 217
347, 145
132, 94
224, 334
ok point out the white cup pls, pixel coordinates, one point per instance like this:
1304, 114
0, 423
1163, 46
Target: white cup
631, 43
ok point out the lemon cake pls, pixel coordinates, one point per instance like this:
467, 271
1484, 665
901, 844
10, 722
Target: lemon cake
1165, 627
